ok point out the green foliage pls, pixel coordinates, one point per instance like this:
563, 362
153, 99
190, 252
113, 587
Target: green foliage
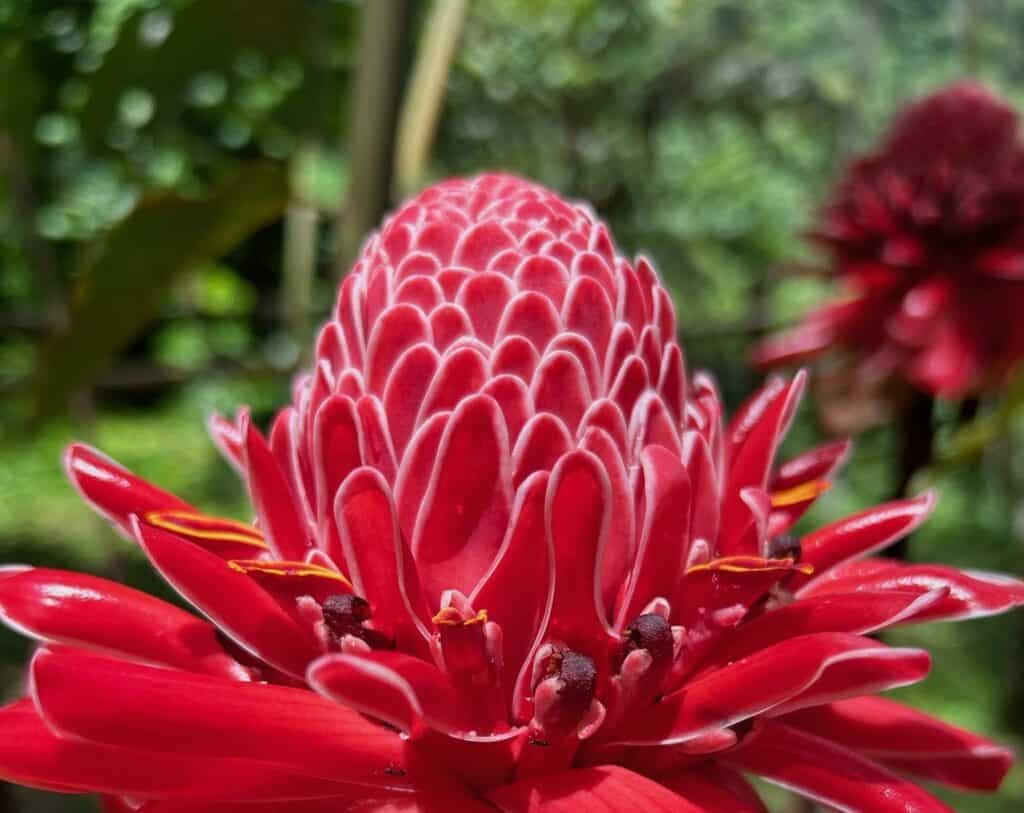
123, 280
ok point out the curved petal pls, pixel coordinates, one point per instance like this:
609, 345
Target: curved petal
859, 613
399, 689
231, 600
72, 608
577, 518
607, 788
711, 786
518, 591
908, 741
466, 507
272, 496
828, 773
381, 567
863, 533
792, 672
31, 754
664, 518
967, 593
179, 713
114, 491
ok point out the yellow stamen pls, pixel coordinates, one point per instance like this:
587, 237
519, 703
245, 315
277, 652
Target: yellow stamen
187, 523
805, 492
451, 617
299, 569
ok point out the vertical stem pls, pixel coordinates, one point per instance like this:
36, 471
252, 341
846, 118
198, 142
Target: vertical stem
374, 112
299, 259
422, 107
969, 25
917, 439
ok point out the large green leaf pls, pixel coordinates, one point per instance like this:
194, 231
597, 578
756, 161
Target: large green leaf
124, 277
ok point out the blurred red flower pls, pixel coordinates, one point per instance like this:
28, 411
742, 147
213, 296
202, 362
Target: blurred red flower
508, 556
926, 236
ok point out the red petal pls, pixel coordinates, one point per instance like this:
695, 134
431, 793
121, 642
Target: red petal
113, 490
416, 469
337, 450
31, 754
801, 667
231, 600
864, 533
858, 613
801, 343
398, 328
752, 439
664, 522
273, 498
381, 567
713, 787
482, 242
399, 689
620, 552
815, 464
908, 740
828, 773
517, 593
484, 297
466, 507
560, 387
606, 788
578, 503
175, 712
405, 391
73, 608
532, 316
968, 594
228, 440
542, 442
588, 311
463, 372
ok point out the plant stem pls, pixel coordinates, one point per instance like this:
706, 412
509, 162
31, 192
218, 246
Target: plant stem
917, 441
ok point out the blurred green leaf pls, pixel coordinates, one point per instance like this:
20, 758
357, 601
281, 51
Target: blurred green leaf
125, 276
970, 441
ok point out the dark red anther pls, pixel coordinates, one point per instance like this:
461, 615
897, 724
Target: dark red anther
578, 685
785, 546
346, 614
652, 632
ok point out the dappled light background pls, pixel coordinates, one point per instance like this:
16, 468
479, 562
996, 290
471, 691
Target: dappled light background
182, 183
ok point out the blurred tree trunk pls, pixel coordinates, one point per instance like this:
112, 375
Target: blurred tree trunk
372, 121
299, 257
422, 107
916, 436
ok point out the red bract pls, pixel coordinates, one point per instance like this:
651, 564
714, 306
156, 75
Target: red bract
508, 556
927, 237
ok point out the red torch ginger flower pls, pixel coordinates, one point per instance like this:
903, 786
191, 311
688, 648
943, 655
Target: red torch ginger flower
927, 237
508, 556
